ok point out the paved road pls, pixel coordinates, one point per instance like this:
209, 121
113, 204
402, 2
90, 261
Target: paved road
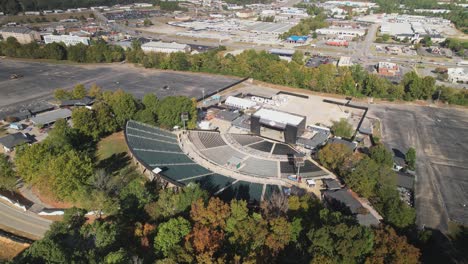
23, 222
440, 137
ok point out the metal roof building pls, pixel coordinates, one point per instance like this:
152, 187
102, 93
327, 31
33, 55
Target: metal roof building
51, 117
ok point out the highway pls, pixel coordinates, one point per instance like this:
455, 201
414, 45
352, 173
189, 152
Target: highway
23, 222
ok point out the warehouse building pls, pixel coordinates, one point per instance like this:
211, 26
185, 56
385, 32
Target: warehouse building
68, 40
341, 31
164, 47
387, 68
457, 75
22, 34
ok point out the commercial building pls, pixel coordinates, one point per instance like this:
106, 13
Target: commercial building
337, 42
278, 125
457, 75
22, 34
341, 31
68, 40
388, 68
164, 47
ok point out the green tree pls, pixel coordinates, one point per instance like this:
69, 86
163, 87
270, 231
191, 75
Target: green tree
385, 37
363, 178
170, 234
342, 128
7, 174
77, 53
298, 57
338, 241
117, 257
61, 94
333, 155
410, 158
79, 91
171, 108
55, 51
123, 105
84, 120
381, 155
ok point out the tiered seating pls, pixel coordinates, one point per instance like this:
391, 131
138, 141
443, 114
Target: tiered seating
283, 149
207, 139
248, 191
244, 140
264, 146
269, 190
259, 167
222, 154
212, 183
309, 170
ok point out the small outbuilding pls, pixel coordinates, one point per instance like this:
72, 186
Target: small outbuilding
11, 141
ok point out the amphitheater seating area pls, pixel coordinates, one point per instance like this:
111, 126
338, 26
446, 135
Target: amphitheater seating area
244, 140
259, 167
264, 146
157, 148
205, 139
309, 170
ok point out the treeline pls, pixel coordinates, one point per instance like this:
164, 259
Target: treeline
98, 52
351, 81
16, 6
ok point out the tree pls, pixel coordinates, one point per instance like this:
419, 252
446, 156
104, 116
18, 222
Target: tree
342, 128
79, 91
61, 94
170, 234
333, 155
171, 108
213, 215
77, 53
410, 158
298, 57
381, 155
55, 51
363, 178
84, 120
123, 105
117, 257
7, 174
385, 37
338, 241
391, 248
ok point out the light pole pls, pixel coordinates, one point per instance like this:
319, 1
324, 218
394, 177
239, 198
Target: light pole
184, 117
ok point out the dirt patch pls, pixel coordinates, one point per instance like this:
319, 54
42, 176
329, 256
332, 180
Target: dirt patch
10, 248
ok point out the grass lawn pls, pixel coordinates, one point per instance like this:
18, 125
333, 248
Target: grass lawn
111, 145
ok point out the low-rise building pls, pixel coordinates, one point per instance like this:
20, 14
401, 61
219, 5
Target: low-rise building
51, 117
11, 141
22, 34
387, 68
164, 47
345, 62
341, 31
457, 75
68, 40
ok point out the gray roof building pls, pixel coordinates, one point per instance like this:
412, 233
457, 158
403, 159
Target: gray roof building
343, 201
9, 142
52, 116
349, 144
405, 180
87, 100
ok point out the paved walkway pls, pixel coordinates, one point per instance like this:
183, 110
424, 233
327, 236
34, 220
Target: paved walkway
38, 205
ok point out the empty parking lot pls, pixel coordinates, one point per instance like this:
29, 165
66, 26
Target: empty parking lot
440, 137
40, 79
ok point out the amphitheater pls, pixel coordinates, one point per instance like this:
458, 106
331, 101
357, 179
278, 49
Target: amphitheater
241, 166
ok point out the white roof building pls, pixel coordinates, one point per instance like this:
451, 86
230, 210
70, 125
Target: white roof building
457, 75
277, 118
164, 47
68, 40
240, 103
341, 31
345, 62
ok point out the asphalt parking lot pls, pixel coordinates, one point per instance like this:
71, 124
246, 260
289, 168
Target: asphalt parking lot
440, 137
40, 79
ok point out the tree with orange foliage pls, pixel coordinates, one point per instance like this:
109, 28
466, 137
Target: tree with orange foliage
391, 248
